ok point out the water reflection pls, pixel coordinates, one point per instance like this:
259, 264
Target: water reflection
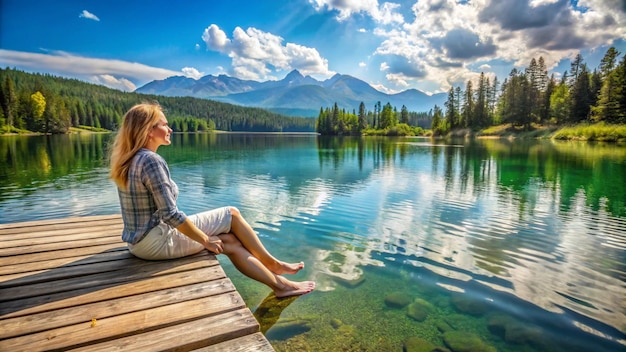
533, 228
544, 218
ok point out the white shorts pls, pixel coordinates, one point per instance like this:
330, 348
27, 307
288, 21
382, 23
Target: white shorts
165, 242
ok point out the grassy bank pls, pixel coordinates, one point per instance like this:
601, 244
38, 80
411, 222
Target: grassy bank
584, 132
510, 131
596, 132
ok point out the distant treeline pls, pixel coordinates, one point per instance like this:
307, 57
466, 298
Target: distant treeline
383, 120
48, 104
524, 98
532, 97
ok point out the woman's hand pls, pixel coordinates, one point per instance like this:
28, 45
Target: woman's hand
211, 243
214, 244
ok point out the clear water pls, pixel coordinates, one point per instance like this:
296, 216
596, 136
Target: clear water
505, 245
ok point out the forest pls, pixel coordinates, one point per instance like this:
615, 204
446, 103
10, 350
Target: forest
525, 98
383, 120
42, 103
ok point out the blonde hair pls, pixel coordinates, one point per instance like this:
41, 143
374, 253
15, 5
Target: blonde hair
132, 136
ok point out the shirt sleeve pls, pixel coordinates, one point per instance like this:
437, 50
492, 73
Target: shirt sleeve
156, 178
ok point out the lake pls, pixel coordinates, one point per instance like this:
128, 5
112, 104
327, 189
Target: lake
489, 244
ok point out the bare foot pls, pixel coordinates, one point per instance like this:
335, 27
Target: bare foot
288, 268
293, 288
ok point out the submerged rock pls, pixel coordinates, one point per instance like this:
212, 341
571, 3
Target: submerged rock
288, 328
347, 329
513, 330
442, 326
520, 333
397, 300
336, 323
417, 344
469, 305
497, 324
459, 341
350, 283
457, 321
420, 309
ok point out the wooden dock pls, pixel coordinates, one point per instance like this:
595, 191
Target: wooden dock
71, 284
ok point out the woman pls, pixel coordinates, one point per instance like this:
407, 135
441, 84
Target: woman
156, 229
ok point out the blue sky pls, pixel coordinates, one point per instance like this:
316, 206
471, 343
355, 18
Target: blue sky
429, 45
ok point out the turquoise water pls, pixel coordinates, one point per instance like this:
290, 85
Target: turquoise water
413, 243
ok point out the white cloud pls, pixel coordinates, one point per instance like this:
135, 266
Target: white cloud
537, 3
347, 7
113, 82
362, 64
215, 38
88, 15
382, 88
257, 54
447, 37
384, 14
192, 72
116, 74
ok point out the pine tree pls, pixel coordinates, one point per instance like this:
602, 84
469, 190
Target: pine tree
387, 117
544, 113
404, 115
493, 98
480, 113
362, 125
580, 96
608, 103
451, 110
467, 111
621, 90
8, 99
559, 103
436, 125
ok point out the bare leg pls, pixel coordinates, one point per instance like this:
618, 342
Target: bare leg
250, 240
252, 267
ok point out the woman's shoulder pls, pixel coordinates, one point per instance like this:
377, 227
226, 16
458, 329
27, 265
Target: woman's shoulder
147, 156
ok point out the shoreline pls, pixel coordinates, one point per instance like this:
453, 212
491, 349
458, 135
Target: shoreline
599, 132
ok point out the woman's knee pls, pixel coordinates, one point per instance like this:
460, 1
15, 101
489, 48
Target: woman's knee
234, 211
230, 242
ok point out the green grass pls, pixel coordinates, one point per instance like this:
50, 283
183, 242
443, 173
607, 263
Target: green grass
13, 130
10, 130
510, 131
88, 128
592, 132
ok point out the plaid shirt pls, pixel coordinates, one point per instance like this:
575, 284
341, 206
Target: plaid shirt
150, 198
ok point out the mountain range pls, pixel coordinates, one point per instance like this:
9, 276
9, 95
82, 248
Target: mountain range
294, 95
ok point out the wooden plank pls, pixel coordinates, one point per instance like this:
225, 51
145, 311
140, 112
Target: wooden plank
67, 222
28, 263
189, 336
146, 320
80, 313
33, 231
92, 264
254, 342
57, 275
57, 246
63, 235
15, 289
64, 299
67, 253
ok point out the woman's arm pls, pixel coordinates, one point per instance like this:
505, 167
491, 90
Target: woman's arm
164, 192
213, 244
